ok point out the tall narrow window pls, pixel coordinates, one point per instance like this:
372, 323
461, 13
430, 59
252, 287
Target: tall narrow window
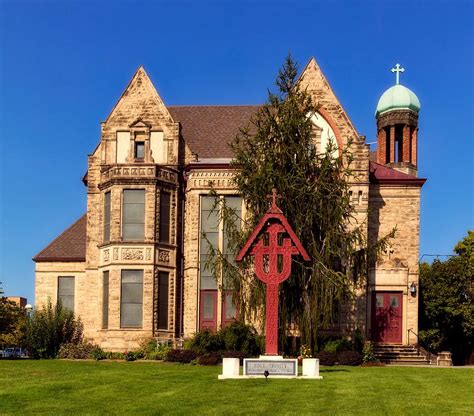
105, 300
131, 299
107, 217
66, 292
165, 209
133, 226
209, 236
163, 289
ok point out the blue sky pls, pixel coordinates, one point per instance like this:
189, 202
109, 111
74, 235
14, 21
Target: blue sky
64, 64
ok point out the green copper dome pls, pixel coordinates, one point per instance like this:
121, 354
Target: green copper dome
398, 97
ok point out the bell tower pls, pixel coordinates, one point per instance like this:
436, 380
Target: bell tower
397, 127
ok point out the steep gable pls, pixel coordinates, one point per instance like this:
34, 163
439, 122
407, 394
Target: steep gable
324, 98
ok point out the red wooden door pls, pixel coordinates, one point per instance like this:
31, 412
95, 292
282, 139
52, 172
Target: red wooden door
208, 310
387, 317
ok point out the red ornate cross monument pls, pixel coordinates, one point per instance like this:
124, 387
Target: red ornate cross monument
266, 252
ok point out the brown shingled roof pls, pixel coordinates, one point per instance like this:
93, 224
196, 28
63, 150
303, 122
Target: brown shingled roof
69, 246
208, 130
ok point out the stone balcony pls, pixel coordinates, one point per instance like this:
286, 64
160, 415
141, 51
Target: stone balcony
120, 172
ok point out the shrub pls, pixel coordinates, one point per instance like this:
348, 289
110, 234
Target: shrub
75, 351
327, 358
130, 355
150, 349
49, 328
97, 353
337, 345
240, 337
368, 355
205, 342
212, 358
349, 358
236, 354
114, 355
180, 356
358, 342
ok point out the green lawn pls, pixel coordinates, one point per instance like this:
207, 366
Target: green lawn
86, 387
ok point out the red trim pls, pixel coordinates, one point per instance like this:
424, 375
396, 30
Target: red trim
334, 127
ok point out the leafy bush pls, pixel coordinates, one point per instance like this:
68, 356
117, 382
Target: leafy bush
358, 341
150, 349
51, 327
205, 342
212, 358
97, 353
337, 345
349, 358
368, 355
235, 337
236, 354
114, 355
180, 356
75, 351
130, 355
327, 358
240, 337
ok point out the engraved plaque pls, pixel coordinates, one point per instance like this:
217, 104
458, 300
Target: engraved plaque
283, 367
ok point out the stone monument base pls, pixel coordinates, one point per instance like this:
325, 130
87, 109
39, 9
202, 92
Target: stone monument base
274, 366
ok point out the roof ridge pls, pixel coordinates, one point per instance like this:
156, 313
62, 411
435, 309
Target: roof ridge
214, 105
59, 236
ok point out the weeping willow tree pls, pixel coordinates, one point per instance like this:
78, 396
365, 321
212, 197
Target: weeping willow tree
277, 150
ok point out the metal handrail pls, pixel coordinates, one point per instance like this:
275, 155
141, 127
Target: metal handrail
426, 347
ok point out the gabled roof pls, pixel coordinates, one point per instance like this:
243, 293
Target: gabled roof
208, 130
69, 246
385, 175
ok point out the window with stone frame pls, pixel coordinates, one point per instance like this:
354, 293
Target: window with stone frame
66, 292
131, 299
163, 300
165, 217
213, 232
133, 215
105, 299
107, 217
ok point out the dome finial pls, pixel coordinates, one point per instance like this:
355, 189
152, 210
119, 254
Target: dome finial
397, 69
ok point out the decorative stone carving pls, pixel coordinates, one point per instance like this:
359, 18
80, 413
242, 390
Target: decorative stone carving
106, 255
115, 253
132, 254
148, 254
163, 256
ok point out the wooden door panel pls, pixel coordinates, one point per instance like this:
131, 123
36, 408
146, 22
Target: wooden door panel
387, 317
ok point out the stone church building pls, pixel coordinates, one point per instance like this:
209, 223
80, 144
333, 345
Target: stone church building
133, 265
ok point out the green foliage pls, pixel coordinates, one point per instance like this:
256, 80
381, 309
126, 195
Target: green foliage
446, 302
131, 355
212, 358
49, 328
81, 351
150, 349
358, 341
181, 356
12, 324
337, 345
368, 355
277, 150
205, 341
236, 336
114, 355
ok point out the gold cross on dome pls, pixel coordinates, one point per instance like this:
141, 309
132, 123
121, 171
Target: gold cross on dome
397, 70
274, 196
